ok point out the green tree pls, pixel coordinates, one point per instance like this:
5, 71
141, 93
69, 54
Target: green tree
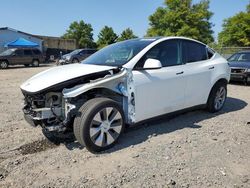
182, 18
82, 33
236, 30
106, 36
127, 34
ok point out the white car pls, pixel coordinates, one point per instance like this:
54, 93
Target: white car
126, 83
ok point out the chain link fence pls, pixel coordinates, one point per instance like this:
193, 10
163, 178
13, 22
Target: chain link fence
228, 51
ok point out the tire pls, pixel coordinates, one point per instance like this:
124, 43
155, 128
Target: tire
217, 97
75, 60
95, 130
35, 63
247, 81
4, 64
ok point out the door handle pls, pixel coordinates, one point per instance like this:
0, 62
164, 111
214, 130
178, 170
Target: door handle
178, 73
210, 68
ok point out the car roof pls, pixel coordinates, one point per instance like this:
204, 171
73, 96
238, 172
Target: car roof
168, 38
24, 49
86, 49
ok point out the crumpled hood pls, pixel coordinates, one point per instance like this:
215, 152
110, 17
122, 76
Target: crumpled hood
239, 64
60, 74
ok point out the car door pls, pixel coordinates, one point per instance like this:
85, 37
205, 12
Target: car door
16, 57
198, 72
159, 91
28, 56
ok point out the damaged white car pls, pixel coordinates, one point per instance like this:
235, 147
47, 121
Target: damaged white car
126, 83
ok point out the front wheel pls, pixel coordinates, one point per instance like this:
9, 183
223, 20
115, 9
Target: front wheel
217, 97
4, 64
99, 124
75, 60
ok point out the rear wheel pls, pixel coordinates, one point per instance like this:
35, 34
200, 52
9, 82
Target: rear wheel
99, 124
217, 97
35, 63
4, 64
247, 81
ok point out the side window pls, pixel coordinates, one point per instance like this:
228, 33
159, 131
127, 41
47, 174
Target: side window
210, 53
19, 52
90, 51
244, 57
27, 52
166, 52
193, 52
36, 52
83, 52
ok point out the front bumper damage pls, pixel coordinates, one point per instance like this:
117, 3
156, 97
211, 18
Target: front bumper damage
55, 111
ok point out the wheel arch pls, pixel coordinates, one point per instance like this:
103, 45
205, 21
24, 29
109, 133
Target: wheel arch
104, 92
220, 80
5, 60
35, 59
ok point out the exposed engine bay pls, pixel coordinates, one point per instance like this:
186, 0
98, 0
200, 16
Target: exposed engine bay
54, 108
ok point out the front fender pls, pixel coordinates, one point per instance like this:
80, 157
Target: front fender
108, 82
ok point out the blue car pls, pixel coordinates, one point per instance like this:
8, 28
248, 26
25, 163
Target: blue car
240, 66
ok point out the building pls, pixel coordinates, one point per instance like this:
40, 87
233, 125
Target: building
51, 46
8, 35
54, 46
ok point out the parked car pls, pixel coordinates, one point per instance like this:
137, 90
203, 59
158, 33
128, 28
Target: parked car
240, 66
126, 83
76, 56
17, 56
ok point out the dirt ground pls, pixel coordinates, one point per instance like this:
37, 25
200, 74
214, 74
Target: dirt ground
195, 149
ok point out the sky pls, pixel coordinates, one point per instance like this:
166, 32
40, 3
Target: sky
53, 17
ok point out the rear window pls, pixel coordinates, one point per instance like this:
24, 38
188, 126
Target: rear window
193, 52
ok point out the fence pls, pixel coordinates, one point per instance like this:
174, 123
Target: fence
228, 51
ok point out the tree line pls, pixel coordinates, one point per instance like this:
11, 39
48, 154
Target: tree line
175, 18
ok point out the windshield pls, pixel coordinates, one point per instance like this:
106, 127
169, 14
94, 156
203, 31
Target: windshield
240, 57
8, 52
119, 53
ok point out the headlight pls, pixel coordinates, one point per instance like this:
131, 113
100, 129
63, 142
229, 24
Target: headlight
67, 58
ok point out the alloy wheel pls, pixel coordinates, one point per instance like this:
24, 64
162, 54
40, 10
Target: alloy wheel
35, 63
106, 126
220, 98
4, 64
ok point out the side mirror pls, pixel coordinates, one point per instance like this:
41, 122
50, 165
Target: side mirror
13, 54
152, 64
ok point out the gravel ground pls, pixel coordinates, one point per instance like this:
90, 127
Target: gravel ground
195, 149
